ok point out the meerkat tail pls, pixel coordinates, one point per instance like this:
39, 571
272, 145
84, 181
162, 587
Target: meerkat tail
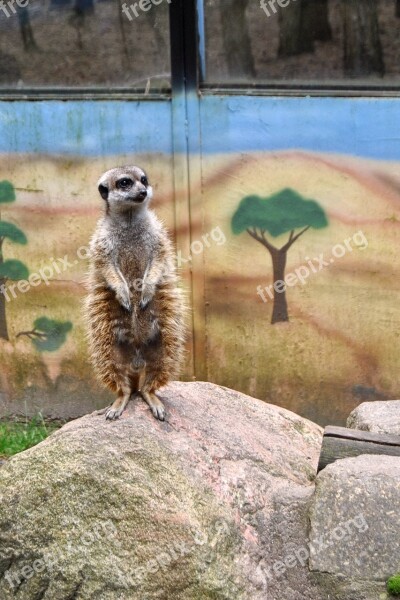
138, 363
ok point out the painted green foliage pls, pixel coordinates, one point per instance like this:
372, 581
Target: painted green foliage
47, 334
280, 213
9, 269
7, 192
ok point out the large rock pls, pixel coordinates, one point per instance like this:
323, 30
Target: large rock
212, 504
378, 417
355, 527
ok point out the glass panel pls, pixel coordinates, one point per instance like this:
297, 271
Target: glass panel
85, 43
302, 42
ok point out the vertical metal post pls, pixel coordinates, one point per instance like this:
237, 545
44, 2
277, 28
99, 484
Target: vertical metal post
187, 164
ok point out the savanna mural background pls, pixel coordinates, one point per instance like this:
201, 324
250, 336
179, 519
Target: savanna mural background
340, 343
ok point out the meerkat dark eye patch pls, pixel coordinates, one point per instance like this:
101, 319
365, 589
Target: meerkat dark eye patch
144, 180
103, 189
124, 184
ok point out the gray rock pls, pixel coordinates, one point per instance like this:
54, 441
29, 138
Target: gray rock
212, 504
355, 526
378, 417
334, 587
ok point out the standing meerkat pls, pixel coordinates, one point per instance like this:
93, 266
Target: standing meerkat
134, 309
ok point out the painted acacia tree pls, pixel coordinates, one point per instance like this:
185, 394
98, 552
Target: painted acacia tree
9, 269
48, 335
280, 213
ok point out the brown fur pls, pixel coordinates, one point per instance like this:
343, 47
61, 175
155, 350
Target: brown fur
134, 309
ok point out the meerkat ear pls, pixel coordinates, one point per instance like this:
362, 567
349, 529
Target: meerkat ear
103, 189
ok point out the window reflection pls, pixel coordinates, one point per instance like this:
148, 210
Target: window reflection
82, 43
298, 41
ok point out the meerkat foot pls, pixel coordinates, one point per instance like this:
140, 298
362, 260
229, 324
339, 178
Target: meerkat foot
101, 411
155, 404
114, 411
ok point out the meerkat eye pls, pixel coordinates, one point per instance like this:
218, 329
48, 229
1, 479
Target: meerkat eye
124, 183
144, 180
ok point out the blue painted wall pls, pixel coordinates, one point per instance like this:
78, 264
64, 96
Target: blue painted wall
364, 127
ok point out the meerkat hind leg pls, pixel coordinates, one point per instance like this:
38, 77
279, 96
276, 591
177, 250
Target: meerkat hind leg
155, 404
116, 409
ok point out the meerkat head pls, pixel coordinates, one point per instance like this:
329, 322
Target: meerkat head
125, 188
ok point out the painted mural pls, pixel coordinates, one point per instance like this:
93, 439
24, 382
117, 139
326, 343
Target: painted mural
293, 237
338, 343
335, 343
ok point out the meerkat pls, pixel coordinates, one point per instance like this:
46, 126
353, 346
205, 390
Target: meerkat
134, 308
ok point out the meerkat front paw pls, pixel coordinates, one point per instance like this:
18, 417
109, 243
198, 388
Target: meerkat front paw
146, 298
124, 300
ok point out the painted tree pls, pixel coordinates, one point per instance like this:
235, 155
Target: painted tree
280, 213
48, 334
9, 269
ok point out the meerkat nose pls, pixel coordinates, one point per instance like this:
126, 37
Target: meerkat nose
142, 194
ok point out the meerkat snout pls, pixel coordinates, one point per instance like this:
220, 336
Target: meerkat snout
124, 187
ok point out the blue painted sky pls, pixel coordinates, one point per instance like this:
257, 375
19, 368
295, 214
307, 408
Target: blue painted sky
85, 128
364, 127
